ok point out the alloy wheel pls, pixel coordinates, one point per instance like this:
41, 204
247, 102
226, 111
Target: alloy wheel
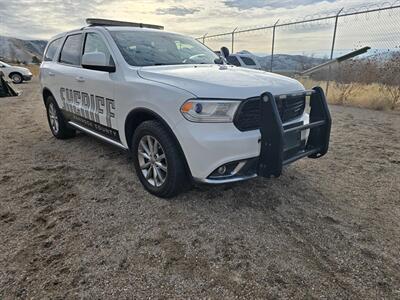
152, 160
53, 118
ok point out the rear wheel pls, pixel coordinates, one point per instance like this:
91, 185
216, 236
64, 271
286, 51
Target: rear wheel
57, 123
16, 78
158, 161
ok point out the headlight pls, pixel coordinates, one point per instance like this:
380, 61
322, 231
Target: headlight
210, 111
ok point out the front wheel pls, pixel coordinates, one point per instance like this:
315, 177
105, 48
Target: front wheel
158, 161
16, 78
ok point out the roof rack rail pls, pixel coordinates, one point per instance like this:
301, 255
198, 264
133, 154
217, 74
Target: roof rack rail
105, 22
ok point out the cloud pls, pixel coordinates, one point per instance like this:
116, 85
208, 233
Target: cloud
177, 11
38, 18
250, 4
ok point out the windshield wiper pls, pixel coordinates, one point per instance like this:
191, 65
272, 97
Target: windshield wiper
165, 64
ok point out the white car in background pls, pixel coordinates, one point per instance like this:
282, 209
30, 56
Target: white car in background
16, 74
244, 61
239, 59
177, 107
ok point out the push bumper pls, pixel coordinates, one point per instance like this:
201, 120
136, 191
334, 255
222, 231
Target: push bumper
279, 144
273, 135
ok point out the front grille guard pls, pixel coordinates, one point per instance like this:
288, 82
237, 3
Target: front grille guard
272, 156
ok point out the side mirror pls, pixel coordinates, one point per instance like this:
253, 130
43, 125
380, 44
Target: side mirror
225, 52
96, 61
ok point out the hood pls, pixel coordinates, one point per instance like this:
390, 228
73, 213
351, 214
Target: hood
216, 81
23, 70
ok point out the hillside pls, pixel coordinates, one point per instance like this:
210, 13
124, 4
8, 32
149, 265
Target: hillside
13, 49
286, 62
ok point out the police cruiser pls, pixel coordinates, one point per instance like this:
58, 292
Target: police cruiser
179, 108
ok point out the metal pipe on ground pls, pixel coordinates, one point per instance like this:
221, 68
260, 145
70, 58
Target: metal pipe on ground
6, 89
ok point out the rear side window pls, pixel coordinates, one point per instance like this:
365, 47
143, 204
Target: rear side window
233, 61
248, 61
71, 51
52, 49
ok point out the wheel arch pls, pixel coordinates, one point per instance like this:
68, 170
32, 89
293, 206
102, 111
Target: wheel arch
45, 94
140, 115
15, 72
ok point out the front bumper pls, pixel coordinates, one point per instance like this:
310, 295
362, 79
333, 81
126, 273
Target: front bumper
258, 152
26, 77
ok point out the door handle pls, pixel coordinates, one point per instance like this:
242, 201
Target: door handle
51, 73
80, 79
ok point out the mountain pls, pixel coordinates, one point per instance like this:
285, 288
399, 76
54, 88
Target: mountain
13, 49
286, 62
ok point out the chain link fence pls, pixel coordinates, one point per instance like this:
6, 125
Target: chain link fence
292, 46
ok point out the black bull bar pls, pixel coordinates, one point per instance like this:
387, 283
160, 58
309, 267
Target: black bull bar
273, 155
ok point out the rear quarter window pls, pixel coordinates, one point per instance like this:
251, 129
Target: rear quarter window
233, 61
52, 49
248, 61
71, 51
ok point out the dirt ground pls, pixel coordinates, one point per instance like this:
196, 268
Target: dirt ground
76, 223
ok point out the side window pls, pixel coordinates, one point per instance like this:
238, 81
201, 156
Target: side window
71, 51
248, 61
52, 49
94, 43
233, 61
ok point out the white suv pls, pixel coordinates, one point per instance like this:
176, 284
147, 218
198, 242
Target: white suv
175, 105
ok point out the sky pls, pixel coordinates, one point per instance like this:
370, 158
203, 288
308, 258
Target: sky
41, 19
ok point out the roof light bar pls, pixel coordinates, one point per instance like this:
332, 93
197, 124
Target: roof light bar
106, 22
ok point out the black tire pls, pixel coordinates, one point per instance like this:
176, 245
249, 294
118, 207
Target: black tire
177, 178
64, 131
16, 78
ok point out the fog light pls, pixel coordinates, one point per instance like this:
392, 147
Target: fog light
222, 170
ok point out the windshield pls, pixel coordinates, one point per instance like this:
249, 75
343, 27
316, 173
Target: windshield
147, 48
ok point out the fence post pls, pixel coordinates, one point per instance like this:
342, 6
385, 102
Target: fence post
333, 48
233, 39
273, 44
204, 38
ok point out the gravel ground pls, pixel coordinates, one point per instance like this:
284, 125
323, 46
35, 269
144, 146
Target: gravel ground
76, 223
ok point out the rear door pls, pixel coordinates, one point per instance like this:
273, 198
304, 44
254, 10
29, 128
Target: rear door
64, 73
47, 68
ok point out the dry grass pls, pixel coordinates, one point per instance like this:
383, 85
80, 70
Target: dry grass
373, 96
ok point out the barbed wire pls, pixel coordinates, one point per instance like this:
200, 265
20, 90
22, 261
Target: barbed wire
317, 19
